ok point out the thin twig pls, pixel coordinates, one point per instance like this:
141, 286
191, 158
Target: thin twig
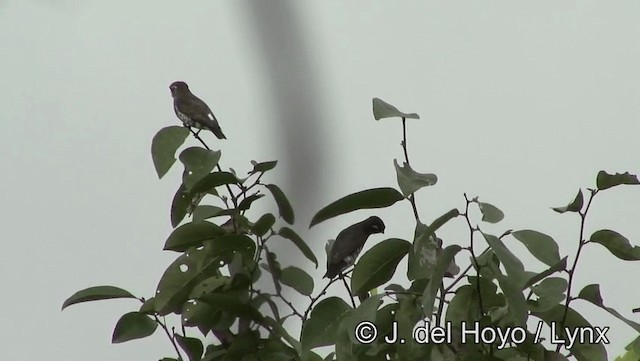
171, 338
473, 254
412, 197
581, 243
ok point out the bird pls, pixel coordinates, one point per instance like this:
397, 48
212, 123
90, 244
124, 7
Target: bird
192, 111
349, 243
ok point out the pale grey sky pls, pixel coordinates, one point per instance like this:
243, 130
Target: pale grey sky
521, 104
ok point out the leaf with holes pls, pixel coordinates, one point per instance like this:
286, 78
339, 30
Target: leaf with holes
181, 276
198, 162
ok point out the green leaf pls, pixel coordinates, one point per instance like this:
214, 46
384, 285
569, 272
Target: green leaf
297, 279
183, 202
191, 346
511, 263
321, 328
606, 180
511, 286
233, 305
423, 253
382, 109
367, 199
550, 292
209, 285
591, 293
430, 292
410, 181
95, 294
263, 166
581, 351
617, 244
133, 325
198, 162
366, 311
212, 180
289, 234
246, 203
164, 146
378, 264
263, 225
541, 246
490, 213
201, 213
192, 235
574, 206
560, 266
284, 207
181, 276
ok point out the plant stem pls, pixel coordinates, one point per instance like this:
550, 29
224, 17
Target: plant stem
412, 197
171, 338
571, 272
473, 254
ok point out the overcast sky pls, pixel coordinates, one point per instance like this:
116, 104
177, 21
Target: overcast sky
520, 103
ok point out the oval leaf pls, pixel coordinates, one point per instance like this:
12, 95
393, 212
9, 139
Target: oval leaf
511, 263
198, 162
606, 180
264, 224
321, 328
289, 234
617, 244
133, 325
164, 146
378, 264
490, 213
541, 246
297, 279
191, 346
367, 199
382, 109
192, 235
96, 293
284, 207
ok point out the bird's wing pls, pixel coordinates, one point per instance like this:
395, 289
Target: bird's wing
352, 237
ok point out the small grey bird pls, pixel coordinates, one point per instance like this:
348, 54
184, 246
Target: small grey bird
349, 243
192, 111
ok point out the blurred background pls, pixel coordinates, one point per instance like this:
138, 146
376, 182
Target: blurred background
520, 103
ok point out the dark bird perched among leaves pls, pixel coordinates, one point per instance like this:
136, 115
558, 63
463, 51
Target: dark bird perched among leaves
192, 111
349, 243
